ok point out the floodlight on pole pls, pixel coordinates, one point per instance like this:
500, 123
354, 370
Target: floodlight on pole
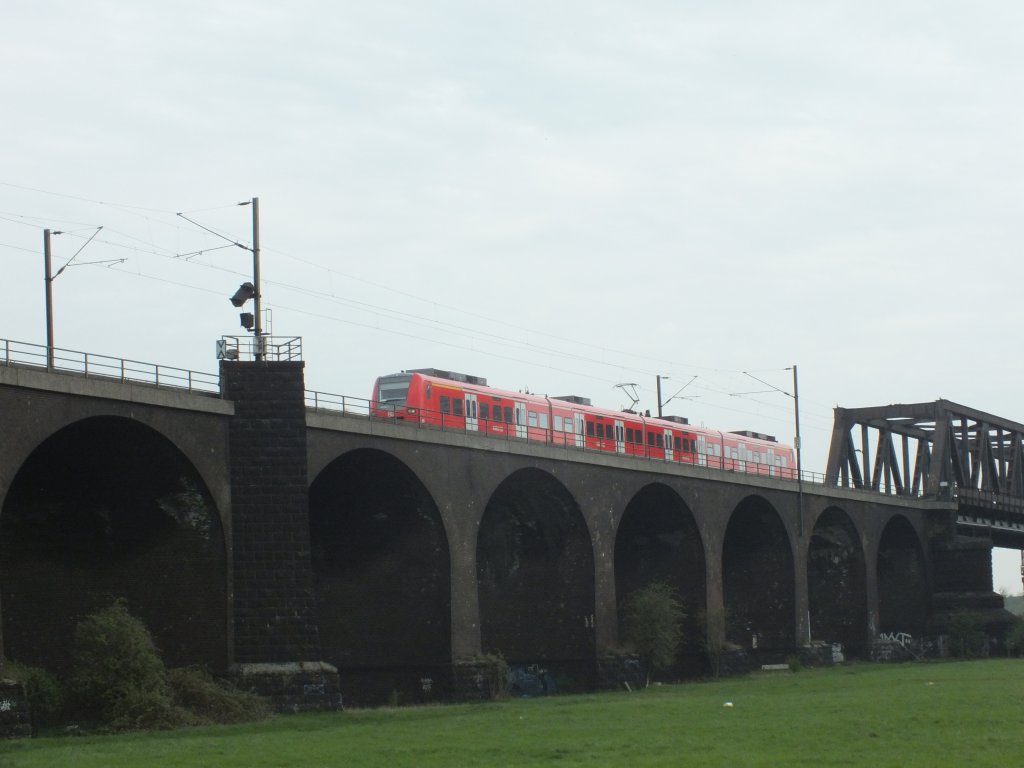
245, 292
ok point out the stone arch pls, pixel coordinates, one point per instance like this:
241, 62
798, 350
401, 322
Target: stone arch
535, 577
109, 508
658, 540
836, 582
758, 584
382, 575
903, 592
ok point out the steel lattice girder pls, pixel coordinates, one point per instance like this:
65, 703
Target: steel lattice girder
952, 444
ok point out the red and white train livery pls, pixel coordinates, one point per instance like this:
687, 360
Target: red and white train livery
457, 401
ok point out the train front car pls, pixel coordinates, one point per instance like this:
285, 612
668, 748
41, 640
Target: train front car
390, 396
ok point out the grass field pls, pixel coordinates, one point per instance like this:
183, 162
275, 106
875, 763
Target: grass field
941, 714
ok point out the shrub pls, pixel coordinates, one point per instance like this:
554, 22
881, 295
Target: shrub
494, 668
712, 626
966, 635
652, 620
44, 693
212, 700
118, 676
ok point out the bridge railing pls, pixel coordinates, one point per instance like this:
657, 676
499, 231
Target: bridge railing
96, 366
324, 402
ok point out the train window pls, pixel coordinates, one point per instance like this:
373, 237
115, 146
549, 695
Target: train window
639, 437
508, 414
650, 438
485, 411
568, 426
678, 442
629, 434
558, 423
456, 407
430, 390
446, 404
532, 419
543, 421
658, 441
686, 444
590, 429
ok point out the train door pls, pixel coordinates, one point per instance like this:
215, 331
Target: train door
741, 465
668, 445
472, 424
520, 415
702, 448
577, 428
620, 437
771, 462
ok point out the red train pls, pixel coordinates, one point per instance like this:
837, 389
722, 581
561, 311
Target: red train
457, 401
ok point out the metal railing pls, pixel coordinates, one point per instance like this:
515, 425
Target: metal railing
93, 366
278, 348
362, 408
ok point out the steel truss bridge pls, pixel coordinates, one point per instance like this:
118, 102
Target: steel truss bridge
937, 450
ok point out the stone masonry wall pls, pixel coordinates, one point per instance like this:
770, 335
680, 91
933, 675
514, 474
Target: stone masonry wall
274, 606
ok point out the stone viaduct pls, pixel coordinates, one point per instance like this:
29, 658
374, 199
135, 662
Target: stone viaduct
283, 542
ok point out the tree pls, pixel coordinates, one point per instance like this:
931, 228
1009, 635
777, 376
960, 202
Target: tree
652, 622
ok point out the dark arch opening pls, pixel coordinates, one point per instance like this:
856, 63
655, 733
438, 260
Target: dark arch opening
658, 541
903, 595
383, 579
757, 579
836, 583
535, 574
108, 508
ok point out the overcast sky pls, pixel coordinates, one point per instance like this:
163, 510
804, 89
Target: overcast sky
563, 196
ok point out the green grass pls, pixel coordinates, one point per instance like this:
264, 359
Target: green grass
942, 714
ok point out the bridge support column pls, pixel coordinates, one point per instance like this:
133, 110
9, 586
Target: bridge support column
465, 597
962, 568
276, 635
803, 627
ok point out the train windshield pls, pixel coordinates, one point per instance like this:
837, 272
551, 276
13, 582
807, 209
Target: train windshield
394, 389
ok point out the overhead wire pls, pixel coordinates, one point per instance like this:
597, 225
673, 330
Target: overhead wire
452, 329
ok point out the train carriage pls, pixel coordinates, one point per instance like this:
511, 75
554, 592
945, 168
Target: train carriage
448, 400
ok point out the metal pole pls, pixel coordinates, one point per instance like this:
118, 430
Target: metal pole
659, 395
49, 300
257, 296
799, 464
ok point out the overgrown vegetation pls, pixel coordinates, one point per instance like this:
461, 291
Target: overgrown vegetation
652, 622
119, 679
966, 635
44, 693
213, 701
119, 683
712, 625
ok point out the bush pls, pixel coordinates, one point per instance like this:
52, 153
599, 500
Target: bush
712, 626
214, 701
118, 676
652, 620
44, 693
966, 636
